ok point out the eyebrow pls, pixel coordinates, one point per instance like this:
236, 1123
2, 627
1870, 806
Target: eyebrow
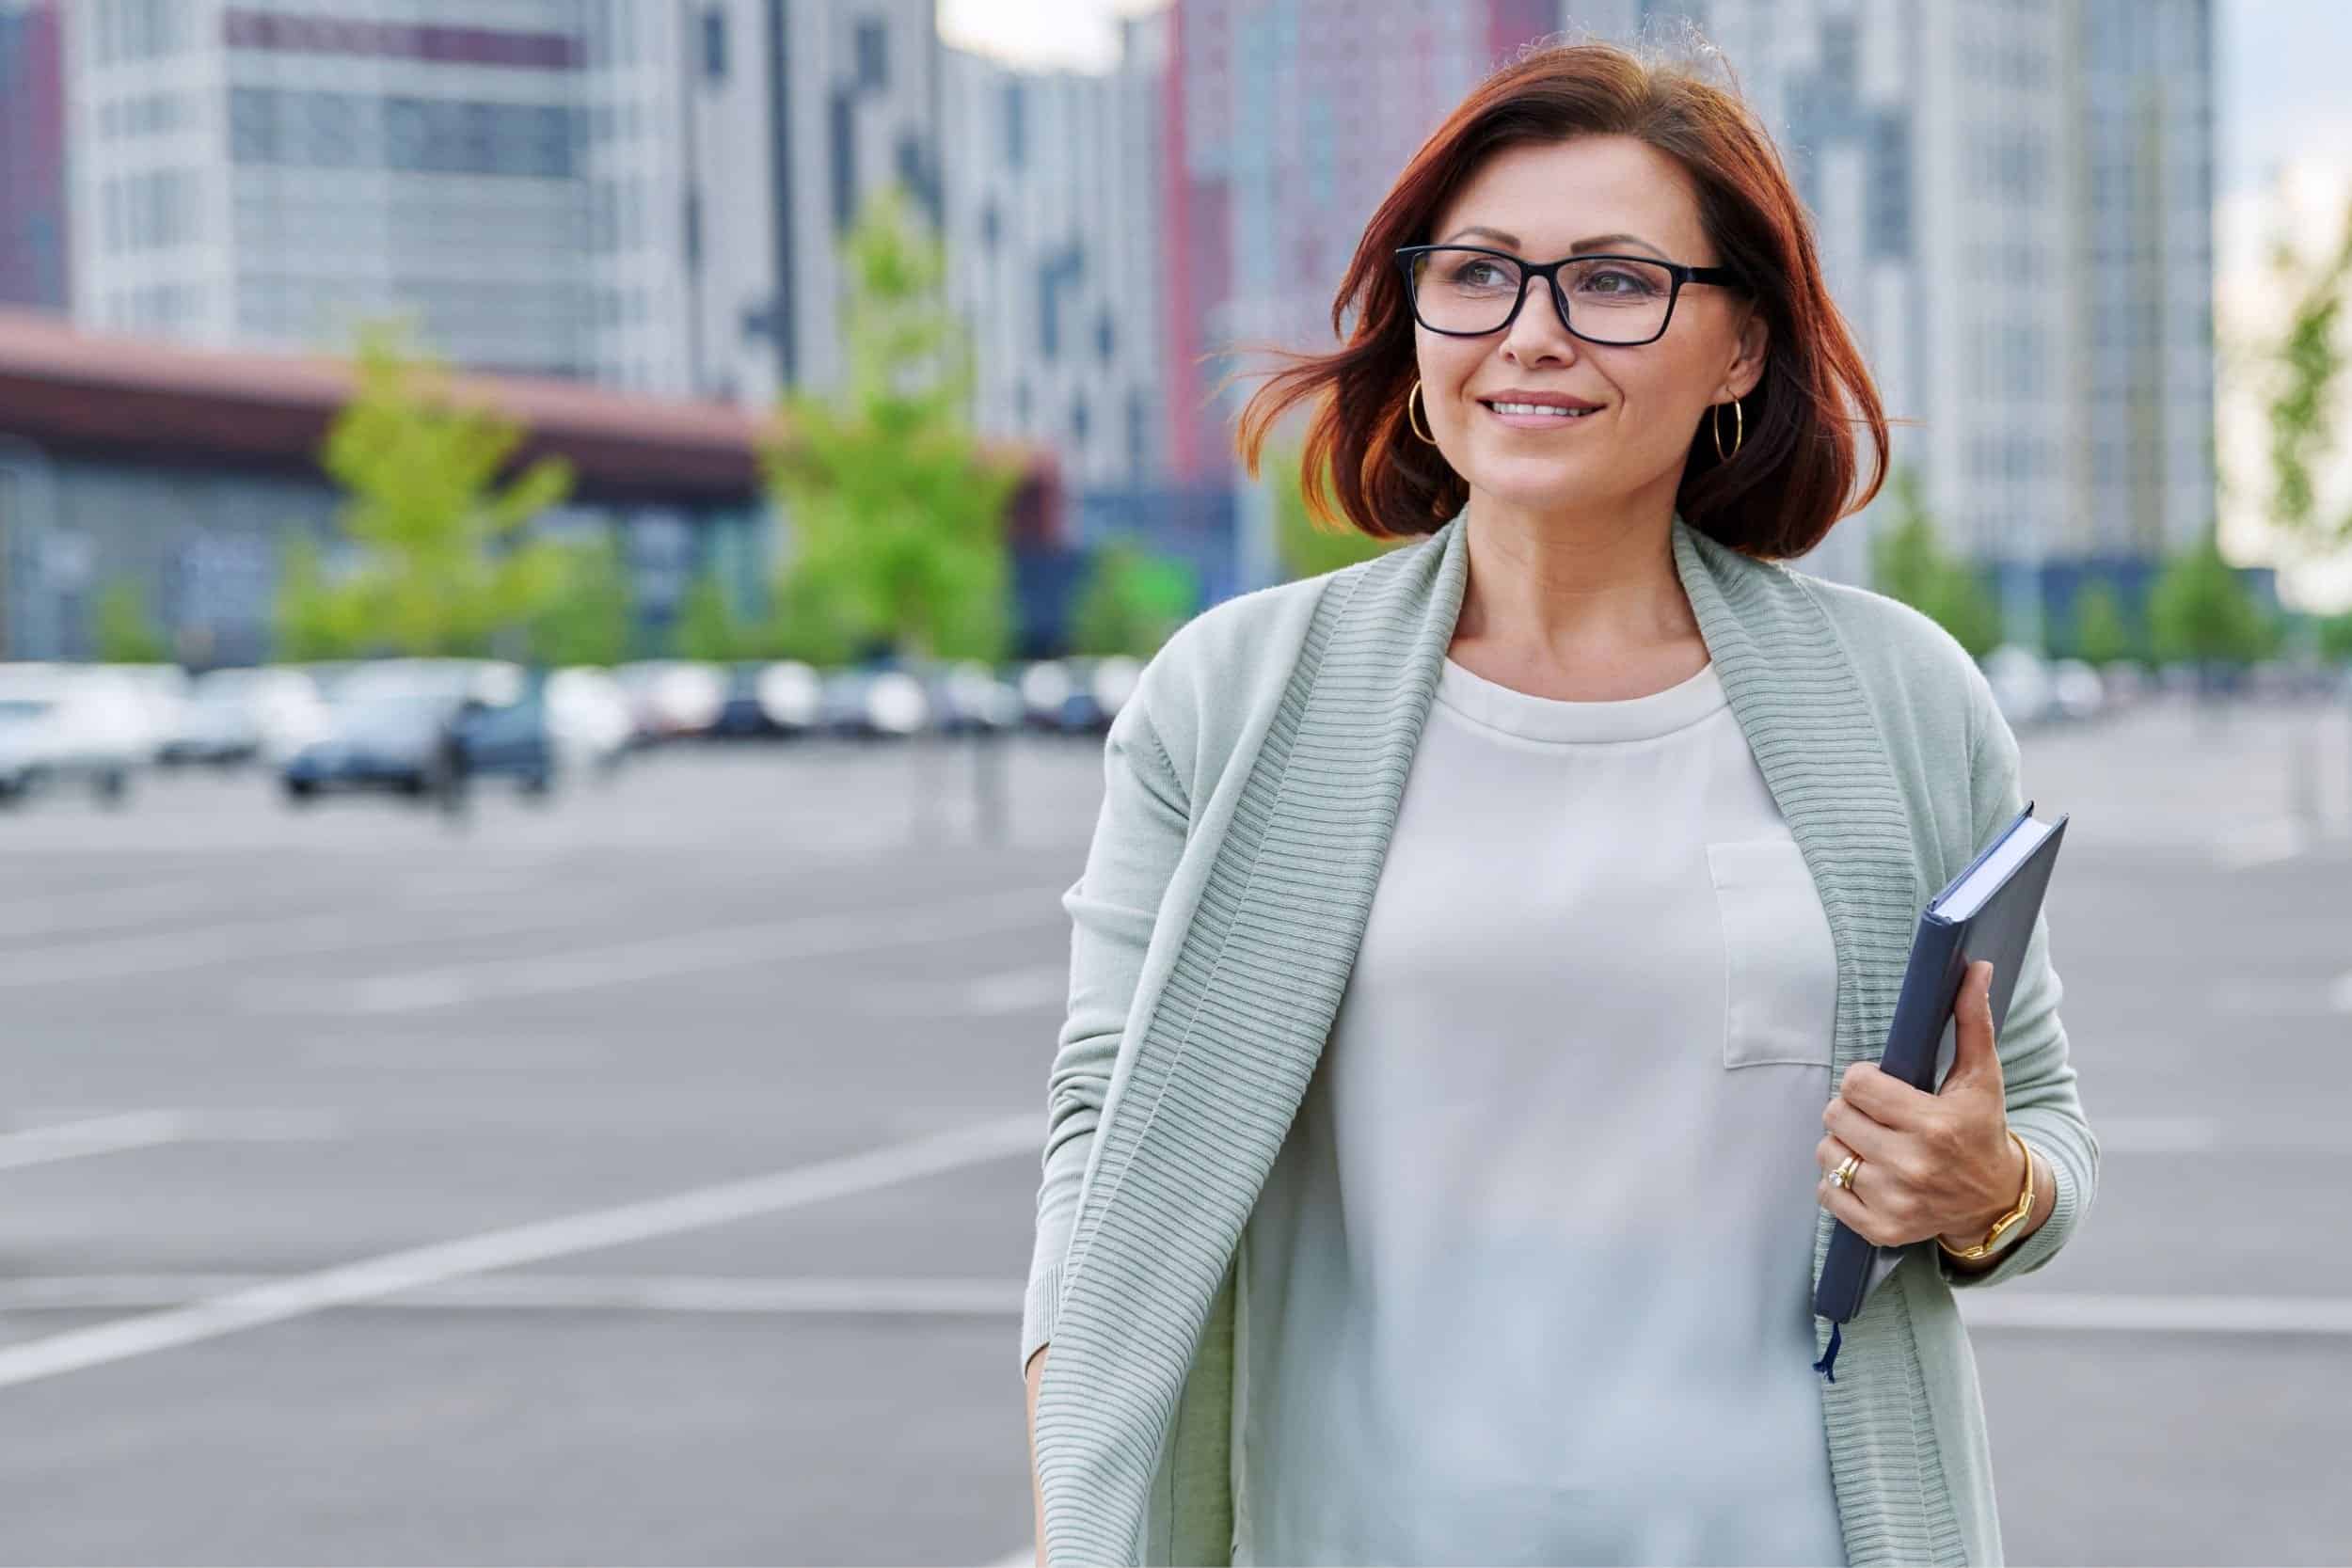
1596, 242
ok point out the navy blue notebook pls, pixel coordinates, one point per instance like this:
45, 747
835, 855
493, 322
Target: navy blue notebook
1986, 911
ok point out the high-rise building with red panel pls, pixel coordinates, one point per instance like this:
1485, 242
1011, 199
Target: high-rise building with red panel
33, 266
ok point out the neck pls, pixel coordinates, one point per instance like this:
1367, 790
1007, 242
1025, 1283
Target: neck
1597, 589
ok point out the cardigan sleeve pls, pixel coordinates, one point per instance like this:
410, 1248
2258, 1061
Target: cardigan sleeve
1138, 837
2036, 1078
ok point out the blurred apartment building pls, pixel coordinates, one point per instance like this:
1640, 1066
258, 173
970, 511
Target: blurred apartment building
2013, 201
641, 193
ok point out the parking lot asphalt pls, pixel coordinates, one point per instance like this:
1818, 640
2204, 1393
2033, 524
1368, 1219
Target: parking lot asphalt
647, 1176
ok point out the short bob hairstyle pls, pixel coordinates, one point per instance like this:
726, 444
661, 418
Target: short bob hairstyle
1794, 475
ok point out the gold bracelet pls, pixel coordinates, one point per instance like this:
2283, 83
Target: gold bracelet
2001, 1226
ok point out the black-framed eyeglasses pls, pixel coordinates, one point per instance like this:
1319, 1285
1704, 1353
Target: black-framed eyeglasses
1465, 291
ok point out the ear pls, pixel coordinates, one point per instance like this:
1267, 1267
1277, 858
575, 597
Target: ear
1747, 365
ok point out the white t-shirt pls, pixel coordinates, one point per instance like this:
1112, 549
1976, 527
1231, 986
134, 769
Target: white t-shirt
1529, 1280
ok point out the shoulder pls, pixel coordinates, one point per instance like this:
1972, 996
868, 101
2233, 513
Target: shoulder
1910, 665
1201, 695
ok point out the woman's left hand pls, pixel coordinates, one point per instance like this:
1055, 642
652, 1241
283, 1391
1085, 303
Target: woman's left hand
1933, 1164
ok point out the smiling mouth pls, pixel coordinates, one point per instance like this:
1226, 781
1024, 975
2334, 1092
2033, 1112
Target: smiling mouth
1538, 410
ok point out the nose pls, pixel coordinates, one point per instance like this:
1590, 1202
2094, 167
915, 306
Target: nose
1539, 331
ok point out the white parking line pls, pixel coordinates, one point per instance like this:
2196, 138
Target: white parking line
40, 914
39, 1146
522, 1292
372, 1279
238, 941
114, 1131
2033, 1310
620, 963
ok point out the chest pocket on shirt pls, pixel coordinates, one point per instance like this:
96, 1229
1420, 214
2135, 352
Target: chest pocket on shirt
1780, 1001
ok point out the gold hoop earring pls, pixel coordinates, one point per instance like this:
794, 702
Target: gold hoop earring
1739, 430
1408, 414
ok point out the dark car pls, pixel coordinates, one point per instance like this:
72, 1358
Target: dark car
424, 743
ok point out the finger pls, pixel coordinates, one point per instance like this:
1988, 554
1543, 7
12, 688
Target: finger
1859, 1131
1885, 1099
1851, 1208
1975, 1058
1830, 1153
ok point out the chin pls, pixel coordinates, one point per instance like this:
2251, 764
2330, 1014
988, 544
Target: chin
1533, 485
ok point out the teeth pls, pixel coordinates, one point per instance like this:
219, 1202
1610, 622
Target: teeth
1538, 408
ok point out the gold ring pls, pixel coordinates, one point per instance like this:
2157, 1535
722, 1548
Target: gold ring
1843, 1175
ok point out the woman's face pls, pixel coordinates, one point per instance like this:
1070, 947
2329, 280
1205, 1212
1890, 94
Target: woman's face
1595, 193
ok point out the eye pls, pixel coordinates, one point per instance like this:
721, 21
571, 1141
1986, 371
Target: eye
1613, 282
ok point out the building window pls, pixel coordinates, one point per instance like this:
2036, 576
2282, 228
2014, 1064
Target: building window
1078, 423
1016, 127
714, 44
873, 56
991, 227
844, 161
1104, 339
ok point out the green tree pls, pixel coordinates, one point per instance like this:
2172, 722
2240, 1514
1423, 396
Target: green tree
1131, 601
2304, 367
312, 619
1909, 564
898, 517
2100, 632
127, 632
1308, 549
2199, 610
586, 620
707, 627
2335, 637
444, 567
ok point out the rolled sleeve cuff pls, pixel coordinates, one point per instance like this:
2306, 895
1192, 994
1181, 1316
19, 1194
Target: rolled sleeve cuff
1038, 1309
2036, 1249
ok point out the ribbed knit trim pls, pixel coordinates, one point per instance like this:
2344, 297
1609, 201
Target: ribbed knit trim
1226, 1056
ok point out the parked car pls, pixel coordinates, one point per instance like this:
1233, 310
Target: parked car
671, 698
418, 742
784, 697
392, 740
2021, 684
873, 704
234, 716
2075, 690
968, 697
62, 724
588, 719
1054, 696
160, 695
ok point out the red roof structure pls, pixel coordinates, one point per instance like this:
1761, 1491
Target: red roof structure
132, 398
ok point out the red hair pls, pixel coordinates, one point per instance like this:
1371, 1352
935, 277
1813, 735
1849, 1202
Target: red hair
1795, 473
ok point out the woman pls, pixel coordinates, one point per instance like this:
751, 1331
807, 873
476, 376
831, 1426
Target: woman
1476, 942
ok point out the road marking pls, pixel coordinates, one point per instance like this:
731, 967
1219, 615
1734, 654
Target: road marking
39, 1146
515, 1293
2031, 1309
44, 914
243, 941
623, 963
374, 1278
2280, 998
115, 1131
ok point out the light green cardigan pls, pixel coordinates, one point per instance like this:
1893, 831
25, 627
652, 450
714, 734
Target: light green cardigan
1252, 782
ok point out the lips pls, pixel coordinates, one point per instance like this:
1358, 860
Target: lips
1524, 403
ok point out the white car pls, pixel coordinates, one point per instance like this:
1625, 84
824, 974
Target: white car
239, 715
2021, 684
589, 722
62, 723
2077, 691
161, 692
